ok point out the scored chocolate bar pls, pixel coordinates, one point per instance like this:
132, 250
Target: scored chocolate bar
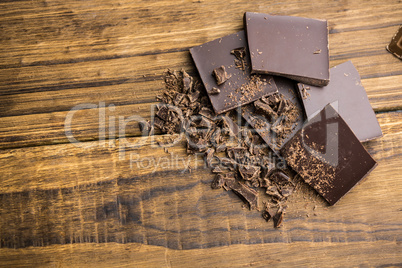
288, 46
328, 156
224, 67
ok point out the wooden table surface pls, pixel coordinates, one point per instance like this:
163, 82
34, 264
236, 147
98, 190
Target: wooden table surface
113, 198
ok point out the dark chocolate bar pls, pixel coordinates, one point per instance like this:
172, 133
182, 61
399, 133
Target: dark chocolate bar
328, 156
224, 67
288, 46
395, 46
347, 95
278, 117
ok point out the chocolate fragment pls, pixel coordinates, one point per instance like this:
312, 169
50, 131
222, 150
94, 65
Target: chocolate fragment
349, 98
209, 154
214, 91
395, 46
221, 75
250, 195
238, 86
268, 213
328, 156
278, 218
218, 181
302, 42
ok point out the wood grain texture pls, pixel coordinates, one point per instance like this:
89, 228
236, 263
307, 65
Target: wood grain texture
95, 204
56, 55
79, 195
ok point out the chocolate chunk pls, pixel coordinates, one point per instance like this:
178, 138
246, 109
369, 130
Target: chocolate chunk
266, 109
249, 172
214, 91
220, 75
280, 178
277, 131
217, 169
348, 97
159, 123
221, 148
163, 113
286, 190
328, 156
250, 195
395, 46
273, 191
218, 181
268, 213
241, 87
278, 218
209, 154
272, 39
187, 82
206, 112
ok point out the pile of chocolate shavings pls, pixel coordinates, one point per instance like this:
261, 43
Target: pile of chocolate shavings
237, 155
279, 113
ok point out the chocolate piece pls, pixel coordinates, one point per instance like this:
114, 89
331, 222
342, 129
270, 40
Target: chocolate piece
278, 218
395, 46
276, 131
217, 169
241, 87
187, 82
249, 172
268, 213
328, 156
250, 195
214, 91
218, 181
349, 98
293, 47
221, 75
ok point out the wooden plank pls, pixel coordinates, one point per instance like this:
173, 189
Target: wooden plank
348, 254
66, 194
57, 57
117, 26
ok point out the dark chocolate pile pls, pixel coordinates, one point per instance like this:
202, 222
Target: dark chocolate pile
237, 155
248, 116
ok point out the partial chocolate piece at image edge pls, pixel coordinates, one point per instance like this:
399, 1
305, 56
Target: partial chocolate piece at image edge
328, 156
395, 46
293, 47
347, 95
224, 68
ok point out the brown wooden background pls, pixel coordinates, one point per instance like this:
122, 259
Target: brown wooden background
90, 205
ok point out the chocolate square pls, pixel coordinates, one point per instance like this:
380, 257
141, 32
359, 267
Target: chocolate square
224, 67
288, 46
328, 156
347, 95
